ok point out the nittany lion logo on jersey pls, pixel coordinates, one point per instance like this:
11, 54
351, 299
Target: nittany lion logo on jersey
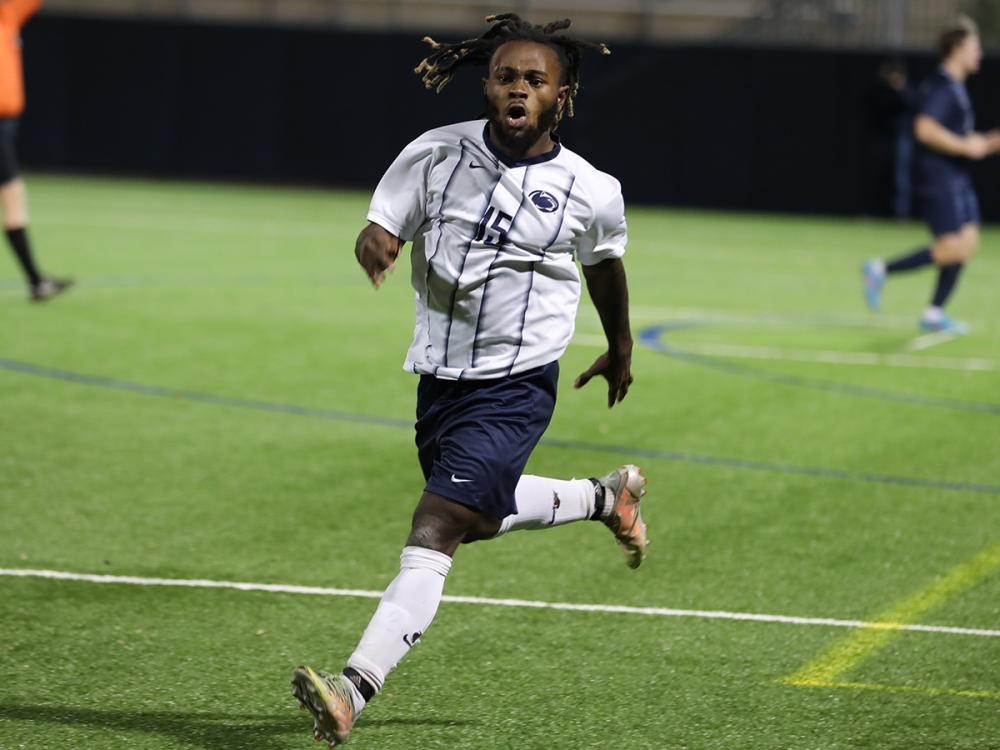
545, 201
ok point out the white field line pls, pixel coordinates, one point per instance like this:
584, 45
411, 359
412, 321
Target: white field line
928, 340
864, 320
829, 357
524, 603
783, 320
241, 226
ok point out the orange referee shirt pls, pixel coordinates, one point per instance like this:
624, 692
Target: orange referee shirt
13, 14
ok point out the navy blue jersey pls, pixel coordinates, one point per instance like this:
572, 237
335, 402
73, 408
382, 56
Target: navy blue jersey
945, 100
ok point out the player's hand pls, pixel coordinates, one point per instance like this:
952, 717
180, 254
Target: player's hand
616, 369
977, 146
993, 141
376, 251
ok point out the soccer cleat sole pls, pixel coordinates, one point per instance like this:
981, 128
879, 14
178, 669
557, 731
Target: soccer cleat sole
332, 714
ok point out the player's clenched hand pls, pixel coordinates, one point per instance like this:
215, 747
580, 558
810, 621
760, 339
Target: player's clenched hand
376, 251
993, 141
616, 369
977, 146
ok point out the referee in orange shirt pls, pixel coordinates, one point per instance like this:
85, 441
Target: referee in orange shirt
13, 198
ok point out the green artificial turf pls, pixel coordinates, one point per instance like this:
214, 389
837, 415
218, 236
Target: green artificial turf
222, 398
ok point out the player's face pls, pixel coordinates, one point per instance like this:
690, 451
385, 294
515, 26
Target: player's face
523, 95
971, 53
968, 55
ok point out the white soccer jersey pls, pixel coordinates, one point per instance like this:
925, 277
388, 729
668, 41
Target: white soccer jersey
494, 248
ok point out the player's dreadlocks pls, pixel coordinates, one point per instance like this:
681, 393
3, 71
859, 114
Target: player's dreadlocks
439, 66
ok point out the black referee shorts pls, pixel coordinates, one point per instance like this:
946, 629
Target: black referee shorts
8, 156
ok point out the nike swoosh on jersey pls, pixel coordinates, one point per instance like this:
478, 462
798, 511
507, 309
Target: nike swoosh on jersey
456, 480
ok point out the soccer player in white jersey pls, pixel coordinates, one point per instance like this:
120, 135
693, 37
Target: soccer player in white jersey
498, 212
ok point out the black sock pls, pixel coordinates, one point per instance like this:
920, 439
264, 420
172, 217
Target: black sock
364, 687
598, 500
18, 239
947, 279
917, 259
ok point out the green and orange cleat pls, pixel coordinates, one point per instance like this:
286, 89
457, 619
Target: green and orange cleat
626, 485
328, 698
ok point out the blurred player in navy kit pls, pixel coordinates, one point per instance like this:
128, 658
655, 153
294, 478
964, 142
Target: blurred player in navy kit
894, 103
946, 144
13, 198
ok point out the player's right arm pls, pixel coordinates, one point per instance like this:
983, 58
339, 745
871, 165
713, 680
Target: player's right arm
376, 251
992, 141
398, 209
934, 135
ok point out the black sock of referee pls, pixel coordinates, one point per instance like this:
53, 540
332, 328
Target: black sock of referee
947, 279
18, 239
917, 259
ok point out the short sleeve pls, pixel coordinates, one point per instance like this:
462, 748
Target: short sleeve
937, 103
607, 236
399, 204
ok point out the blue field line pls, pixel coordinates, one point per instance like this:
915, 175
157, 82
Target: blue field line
580, 445
651, 337
739, 463
207, 398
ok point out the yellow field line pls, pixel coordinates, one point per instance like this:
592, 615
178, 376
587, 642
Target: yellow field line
901, 689
851, 651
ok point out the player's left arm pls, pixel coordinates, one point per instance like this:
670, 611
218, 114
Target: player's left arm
600, 250
608, 288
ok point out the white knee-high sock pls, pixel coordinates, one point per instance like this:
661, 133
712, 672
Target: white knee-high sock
403, 615
543, 502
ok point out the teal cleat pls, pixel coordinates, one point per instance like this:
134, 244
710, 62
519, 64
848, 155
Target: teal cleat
874, 281
944, 323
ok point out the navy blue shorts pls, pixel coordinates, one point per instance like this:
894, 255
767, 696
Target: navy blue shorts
474, 437
8, 156
947, 211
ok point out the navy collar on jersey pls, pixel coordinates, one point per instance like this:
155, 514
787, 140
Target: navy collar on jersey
513, 163
949, 77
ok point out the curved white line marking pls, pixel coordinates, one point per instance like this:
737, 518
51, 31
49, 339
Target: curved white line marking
740, 351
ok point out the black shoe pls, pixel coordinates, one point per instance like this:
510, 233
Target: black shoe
49, 288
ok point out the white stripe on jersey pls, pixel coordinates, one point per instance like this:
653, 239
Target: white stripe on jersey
495, 245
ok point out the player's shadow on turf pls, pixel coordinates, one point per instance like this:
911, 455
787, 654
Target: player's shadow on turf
213, 731
206, 730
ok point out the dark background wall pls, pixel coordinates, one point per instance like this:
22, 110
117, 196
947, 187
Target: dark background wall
756, 129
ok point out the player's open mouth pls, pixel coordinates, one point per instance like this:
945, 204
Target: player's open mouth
517, 116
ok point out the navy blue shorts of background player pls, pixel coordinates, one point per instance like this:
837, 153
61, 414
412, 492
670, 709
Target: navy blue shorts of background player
8, 156
947, 211
474, 437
